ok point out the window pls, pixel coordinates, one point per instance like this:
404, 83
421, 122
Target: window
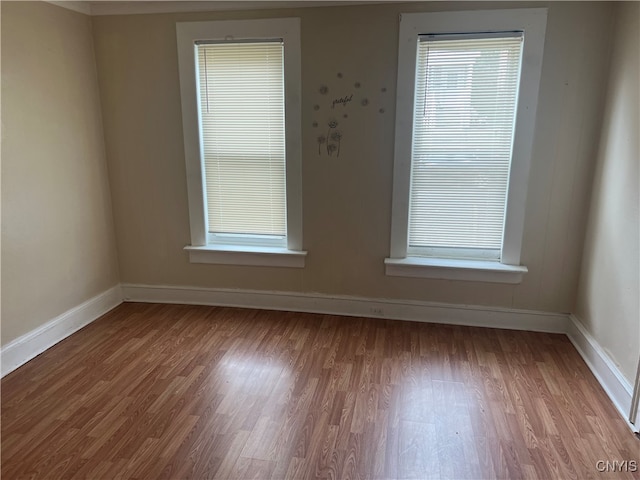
240, 87
464, 112
467, 95
241, 92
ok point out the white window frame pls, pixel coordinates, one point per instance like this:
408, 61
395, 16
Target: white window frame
508, 269
204, 247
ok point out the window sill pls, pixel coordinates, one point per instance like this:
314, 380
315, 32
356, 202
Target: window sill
454, 269
246, 255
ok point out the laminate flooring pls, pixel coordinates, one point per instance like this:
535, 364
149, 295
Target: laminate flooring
172, 391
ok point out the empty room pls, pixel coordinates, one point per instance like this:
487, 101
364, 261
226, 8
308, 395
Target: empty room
320, 240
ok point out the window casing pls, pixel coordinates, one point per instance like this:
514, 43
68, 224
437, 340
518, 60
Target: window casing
240, 90
460, 188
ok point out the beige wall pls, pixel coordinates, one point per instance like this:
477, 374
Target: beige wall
58, 247
347, 201
608, 298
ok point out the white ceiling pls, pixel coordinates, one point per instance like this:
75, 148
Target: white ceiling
168, 6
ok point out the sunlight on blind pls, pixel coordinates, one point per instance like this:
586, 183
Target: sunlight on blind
464, 114
241, 93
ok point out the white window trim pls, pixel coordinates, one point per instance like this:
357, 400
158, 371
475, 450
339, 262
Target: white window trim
200, 251
533, 23
243, 255
454, 269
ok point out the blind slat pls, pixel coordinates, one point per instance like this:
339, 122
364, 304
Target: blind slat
464, 114
241, 94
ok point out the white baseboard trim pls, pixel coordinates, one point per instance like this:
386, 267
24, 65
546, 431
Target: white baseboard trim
470, 315
606, 372
24, 348
608, 375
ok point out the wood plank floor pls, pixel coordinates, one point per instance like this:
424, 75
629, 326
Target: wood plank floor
169, 391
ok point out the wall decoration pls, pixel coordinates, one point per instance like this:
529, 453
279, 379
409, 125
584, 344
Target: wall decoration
321, 140
339, 105
331, 147
336, 137
342, 101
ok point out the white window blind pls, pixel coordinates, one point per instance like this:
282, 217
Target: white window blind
241, 100
464, 114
